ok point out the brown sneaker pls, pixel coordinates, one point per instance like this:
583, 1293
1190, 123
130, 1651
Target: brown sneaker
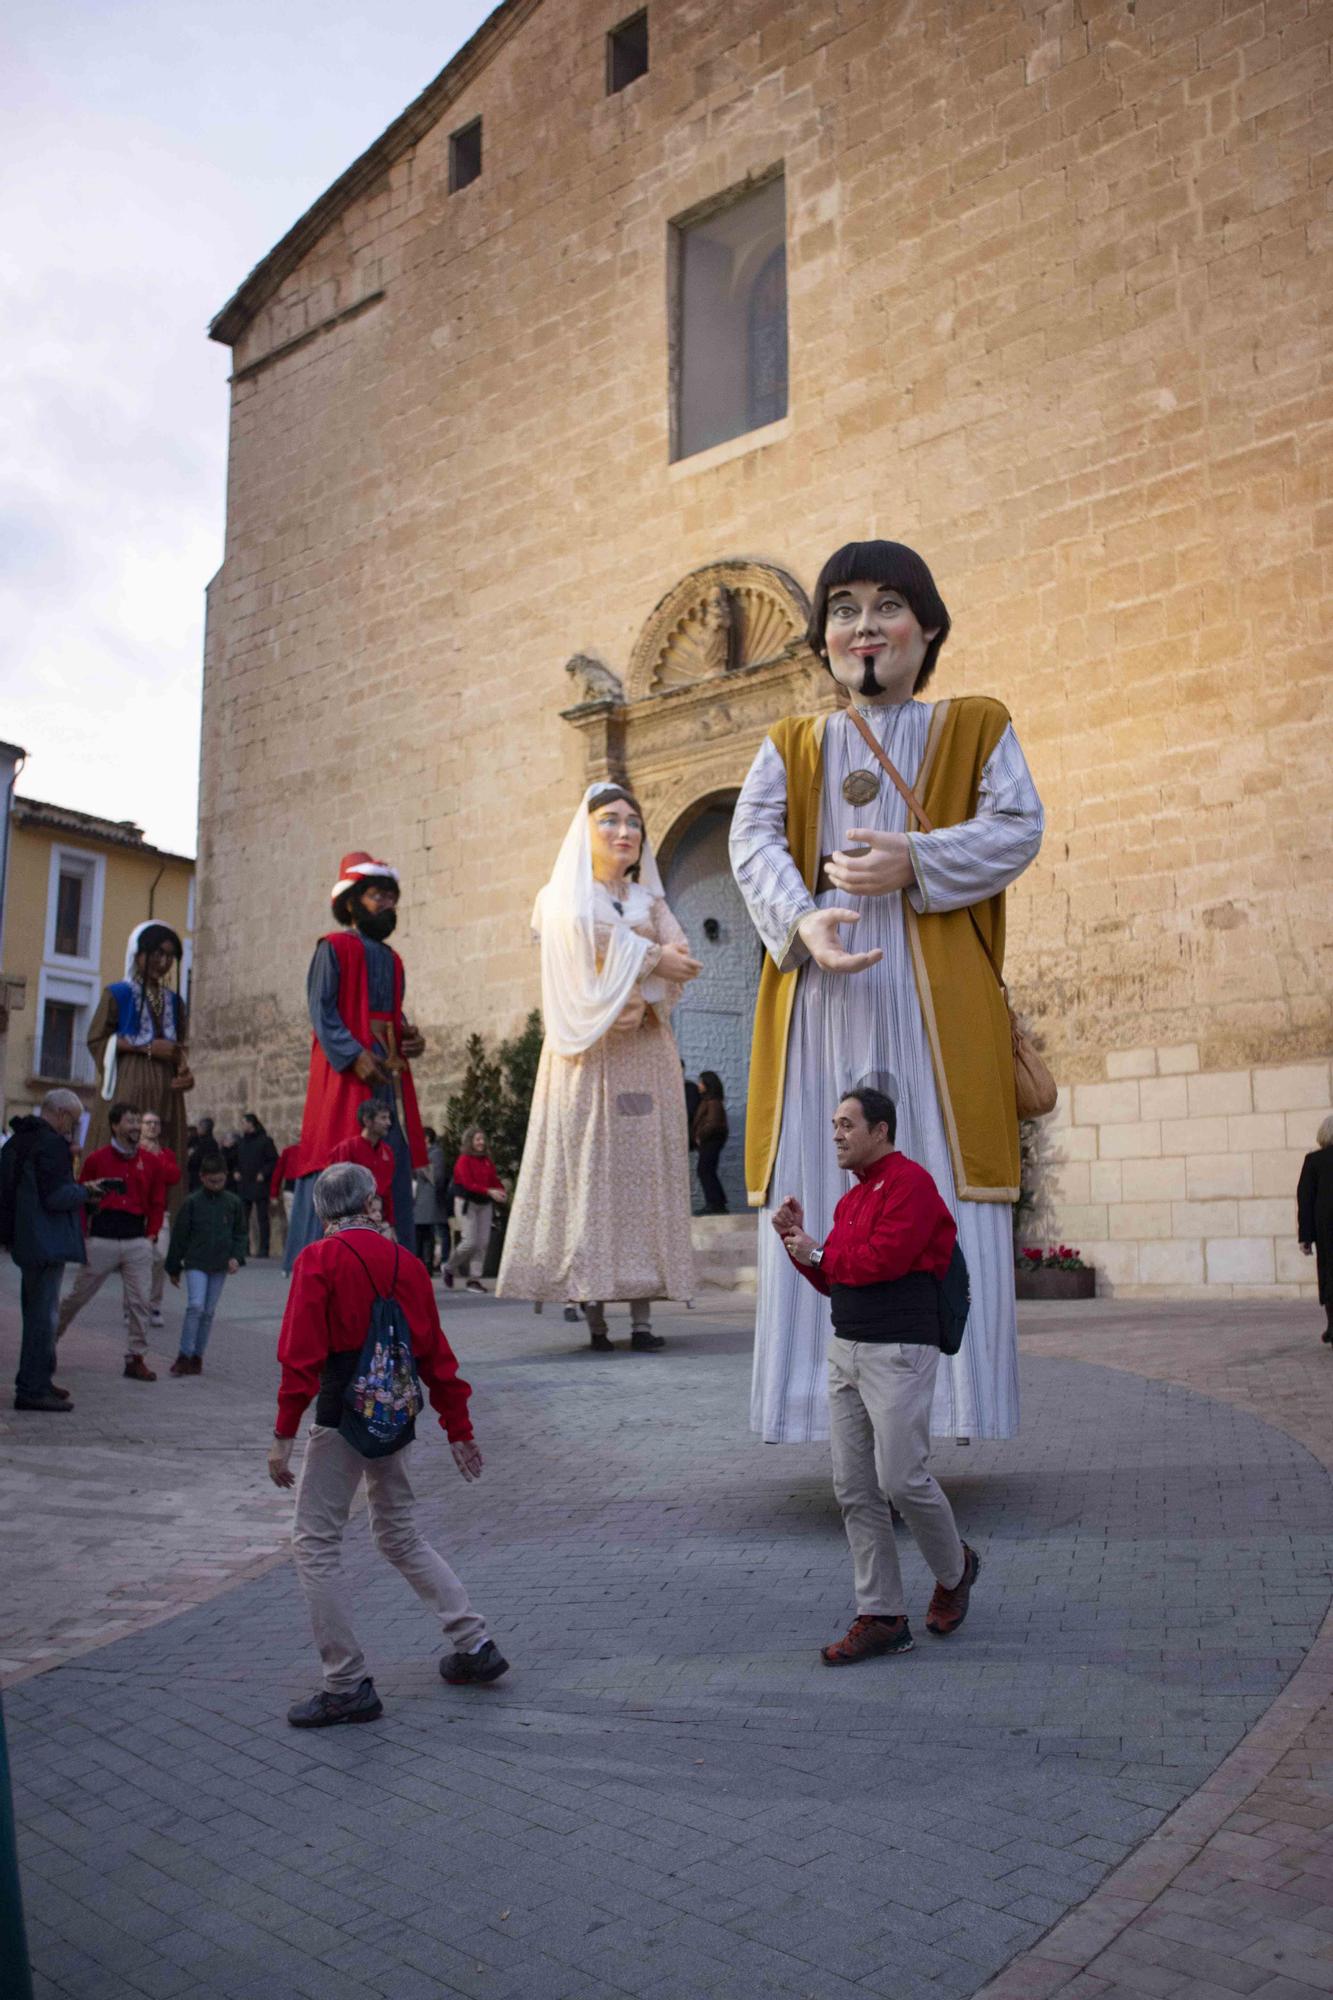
196, 1364
137, 1369
180, 1366
865, 1637
948, 1608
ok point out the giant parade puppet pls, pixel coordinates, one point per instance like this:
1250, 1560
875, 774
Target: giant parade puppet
361, 1049
138, 1041
911, 999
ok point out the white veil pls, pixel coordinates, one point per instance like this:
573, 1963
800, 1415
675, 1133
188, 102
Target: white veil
580, 999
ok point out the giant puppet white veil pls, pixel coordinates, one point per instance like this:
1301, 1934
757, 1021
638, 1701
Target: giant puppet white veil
580, 998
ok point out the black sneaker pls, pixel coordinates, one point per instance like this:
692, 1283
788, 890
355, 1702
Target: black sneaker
52, 1404
324, 1709
644, 1341
474, 1669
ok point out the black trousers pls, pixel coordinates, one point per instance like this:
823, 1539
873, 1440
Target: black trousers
715, 1200
258, 1206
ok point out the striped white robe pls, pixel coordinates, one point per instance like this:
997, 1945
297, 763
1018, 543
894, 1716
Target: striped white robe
867, 1027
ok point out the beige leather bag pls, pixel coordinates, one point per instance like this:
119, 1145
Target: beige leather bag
1034, 1086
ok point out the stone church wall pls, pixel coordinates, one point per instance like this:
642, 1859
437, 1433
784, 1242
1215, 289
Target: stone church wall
1055, 280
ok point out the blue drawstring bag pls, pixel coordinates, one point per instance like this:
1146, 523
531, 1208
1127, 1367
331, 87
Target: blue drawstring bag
383, 1395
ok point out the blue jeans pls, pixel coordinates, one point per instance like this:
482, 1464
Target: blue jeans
40, 1295
203, 1289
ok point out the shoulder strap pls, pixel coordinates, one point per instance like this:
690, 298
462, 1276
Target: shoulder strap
915, 806
393, 1282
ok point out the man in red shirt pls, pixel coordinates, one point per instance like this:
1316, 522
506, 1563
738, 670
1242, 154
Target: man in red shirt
335, 1281
118, 1235
476, 1186
167, 1175
880, 1265
371, 1149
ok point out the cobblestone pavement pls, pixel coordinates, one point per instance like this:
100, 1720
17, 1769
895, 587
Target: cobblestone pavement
669, 1796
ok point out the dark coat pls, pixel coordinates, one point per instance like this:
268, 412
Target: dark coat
49, 1202
256, 1157
1314, 1216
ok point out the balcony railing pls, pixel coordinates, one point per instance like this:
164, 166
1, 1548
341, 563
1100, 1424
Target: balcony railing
56, 1062
73, 940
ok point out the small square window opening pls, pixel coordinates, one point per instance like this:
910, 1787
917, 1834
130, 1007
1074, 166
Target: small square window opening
465, 156
627, 52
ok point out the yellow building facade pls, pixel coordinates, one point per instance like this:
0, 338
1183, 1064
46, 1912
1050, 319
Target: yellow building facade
545, 416
77, 886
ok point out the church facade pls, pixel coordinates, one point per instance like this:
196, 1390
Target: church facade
546, 414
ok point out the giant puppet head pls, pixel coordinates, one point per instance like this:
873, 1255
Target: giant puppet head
365, 896
151, 952
877, 620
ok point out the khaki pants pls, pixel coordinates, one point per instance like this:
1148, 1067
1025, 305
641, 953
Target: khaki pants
330, 1476
134, 1260
157, 1287
880, 1395
474, 1230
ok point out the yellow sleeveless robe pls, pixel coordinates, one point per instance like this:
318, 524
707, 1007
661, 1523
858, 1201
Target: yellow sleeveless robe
966, 1020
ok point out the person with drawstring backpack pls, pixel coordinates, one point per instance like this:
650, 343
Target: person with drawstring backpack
360, 1337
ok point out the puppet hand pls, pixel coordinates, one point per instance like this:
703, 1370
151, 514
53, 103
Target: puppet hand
888, 865
467, 1458
676, 965
279, 1462
162, 1050
368, 1069
413, 1043
819, 934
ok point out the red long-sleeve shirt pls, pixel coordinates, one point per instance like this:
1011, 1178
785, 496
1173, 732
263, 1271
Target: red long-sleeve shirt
328, 1312
892, 1222
378, 1158
282, 1171
475, 1174
166, 1173
139, 1173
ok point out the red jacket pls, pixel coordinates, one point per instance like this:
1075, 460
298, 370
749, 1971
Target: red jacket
380, 1161
892, 1222
475, 1174
332, 1095
166, 1173
284, 1169
139, 1175
328, 1312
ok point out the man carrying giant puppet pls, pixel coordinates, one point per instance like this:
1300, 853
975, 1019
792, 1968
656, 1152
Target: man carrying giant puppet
911, 1000
361, 1046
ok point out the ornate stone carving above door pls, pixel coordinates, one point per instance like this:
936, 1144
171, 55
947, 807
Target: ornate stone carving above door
718, 620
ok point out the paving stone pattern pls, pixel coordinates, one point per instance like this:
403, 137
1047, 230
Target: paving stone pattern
670, 1797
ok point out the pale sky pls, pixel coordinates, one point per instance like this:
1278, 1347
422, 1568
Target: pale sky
154, 151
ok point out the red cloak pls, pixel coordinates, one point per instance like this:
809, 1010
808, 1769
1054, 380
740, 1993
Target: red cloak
332, 1095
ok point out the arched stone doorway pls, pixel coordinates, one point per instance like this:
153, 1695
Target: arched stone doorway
713, 1020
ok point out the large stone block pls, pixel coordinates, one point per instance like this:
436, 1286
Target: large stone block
1215, 1092
1164, 1097
1179, 1060
1277, 1173
1194, 1135
1131, 1062
1268, 1217
1106, 1103
1154, 1180
1258, 1132
1210, 1175
1141, 1141
1140, 1219
1171, 1263
1203, 1218
1105, 1181
1240, 1260
1294, 1087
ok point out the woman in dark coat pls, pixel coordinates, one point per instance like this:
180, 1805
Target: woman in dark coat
708, 1131
1314, 1216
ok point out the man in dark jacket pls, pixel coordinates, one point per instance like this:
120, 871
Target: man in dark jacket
48, 1203
256, 1157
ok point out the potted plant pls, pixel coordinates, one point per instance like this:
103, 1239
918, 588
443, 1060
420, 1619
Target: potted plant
1055, 1273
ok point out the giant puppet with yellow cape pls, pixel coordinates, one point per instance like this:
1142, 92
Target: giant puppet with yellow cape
928, 1023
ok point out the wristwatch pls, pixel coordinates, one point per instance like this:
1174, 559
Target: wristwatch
817, 1254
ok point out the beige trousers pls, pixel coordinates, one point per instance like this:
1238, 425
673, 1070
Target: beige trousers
330, 1476
880, 1395
134, 1260
157, 1288
474, 1229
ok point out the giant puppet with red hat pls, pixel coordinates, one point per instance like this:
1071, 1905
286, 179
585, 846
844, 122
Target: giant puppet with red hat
361, 1047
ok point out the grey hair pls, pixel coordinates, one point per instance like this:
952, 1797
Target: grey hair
63, 1100
1324, 1136
343, 1189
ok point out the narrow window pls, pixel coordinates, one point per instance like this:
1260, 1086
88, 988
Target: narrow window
71, 938
627, 52
730, 319
465, 156
57, 1052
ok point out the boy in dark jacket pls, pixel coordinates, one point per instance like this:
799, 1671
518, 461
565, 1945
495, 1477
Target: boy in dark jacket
208, 1241
45, 1234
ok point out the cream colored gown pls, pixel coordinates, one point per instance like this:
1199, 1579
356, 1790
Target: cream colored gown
602, 1207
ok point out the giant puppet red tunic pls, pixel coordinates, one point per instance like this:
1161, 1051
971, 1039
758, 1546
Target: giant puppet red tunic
355, 993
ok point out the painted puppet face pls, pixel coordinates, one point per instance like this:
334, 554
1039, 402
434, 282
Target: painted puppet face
876, 648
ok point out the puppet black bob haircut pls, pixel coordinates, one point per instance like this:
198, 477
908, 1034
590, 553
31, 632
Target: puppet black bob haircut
899, 568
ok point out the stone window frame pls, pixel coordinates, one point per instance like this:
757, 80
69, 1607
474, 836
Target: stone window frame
465, 155
678, 228
624, 48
